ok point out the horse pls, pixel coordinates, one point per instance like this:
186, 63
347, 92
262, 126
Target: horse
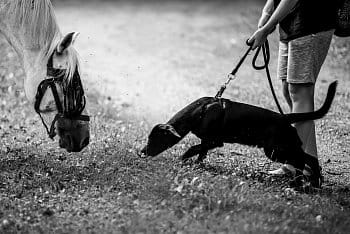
51, 66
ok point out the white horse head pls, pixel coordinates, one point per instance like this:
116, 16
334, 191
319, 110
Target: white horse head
30, 27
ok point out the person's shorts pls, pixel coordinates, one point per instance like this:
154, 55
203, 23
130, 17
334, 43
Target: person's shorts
300, 60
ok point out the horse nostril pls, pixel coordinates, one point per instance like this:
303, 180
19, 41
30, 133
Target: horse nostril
85, 142
70, 141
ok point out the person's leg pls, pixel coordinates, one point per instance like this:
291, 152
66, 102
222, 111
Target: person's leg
302, 97
286, 94
305, 57
282, 75
282, 68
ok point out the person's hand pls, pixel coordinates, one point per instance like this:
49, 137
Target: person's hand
258, 38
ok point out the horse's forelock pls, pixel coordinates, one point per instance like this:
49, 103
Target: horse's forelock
73, 63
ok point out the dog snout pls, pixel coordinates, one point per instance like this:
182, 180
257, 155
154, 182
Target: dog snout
142, 153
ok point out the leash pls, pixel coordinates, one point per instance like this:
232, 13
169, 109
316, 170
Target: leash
265, 48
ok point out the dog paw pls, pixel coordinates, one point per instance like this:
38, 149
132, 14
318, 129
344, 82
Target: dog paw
315, 179
199, 163
186, 161
316, 182
296, 182
306, 184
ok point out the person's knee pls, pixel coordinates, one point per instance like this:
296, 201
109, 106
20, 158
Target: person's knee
302, 96
285, 90
302, 92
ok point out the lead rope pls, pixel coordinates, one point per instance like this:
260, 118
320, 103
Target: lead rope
266, 55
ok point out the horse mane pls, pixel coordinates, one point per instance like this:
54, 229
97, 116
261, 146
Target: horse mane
36, 18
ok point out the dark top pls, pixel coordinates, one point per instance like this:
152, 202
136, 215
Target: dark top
308, 17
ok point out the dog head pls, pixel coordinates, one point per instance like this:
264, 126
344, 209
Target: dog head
161, 138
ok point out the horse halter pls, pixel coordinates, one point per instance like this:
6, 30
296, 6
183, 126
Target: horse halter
73, 96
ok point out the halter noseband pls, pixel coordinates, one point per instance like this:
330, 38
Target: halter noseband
73, 96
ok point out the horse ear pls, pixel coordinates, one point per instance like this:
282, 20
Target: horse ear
67, 41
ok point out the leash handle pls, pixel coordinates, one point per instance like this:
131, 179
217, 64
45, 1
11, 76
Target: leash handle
265, 48
250, 44
266, 55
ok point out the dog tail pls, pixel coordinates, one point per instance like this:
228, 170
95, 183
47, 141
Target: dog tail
299, 117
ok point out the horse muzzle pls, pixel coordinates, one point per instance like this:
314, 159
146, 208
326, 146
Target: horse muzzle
74, 134
71, 146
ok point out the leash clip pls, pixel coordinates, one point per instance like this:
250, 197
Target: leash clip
230, 77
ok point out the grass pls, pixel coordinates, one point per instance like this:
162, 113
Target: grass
107, 188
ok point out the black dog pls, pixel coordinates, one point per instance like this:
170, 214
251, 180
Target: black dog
217, 121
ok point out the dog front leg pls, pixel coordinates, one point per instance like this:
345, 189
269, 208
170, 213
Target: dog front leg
194, 150
206, 146
202, 155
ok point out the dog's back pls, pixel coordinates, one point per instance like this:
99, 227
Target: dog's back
190, 110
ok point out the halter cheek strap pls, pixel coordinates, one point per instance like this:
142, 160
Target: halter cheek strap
42, 88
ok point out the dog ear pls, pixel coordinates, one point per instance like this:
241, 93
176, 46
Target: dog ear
67, 41
172, 130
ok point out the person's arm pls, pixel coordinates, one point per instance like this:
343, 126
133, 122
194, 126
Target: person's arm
283, 9
267, 11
